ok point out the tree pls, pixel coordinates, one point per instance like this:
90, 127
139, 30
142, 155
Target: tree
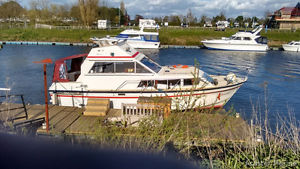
122, 8
11, 9
240, 20
88, 11
189, 17
203, 20
75, 12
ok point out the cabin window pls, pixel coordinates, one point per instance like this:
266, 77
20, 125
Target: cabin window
103, 67
237, 38
189, 82
146, 83
141, 69
152, 65
247, 38
124, 67
154, 38
147, 37
174, 82
133, 36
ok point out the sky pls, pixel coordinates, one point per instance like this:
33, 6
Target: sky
210, 8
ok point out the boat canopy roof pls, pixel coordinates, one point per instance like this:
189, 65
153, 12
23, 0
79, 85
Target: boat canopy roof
60, 67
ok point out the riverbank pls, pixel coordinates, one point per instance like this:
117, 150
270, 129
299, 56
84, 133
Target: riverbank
168, 36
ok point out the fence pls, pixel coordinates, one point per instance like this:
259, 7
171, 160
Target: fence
133, 113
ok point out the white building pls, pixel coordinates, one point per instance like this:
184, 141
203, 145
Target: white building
103, 24
148, 24
222, 24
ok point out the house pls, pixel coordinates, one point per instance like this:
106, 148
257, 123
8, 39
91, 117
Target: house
207, 23
287, 17
224, 24
148, 24
221, 25
103, 24
236, 24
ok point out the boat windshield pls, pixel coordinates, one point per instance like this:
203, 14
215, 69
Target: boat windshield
152, 65
205, 77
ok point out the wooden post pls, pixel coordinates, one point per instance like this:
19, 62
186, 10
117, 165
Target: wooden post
46, 98
45, 61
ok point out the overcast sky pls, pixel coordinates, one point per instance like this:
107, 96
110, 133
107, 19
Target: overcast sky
231, 8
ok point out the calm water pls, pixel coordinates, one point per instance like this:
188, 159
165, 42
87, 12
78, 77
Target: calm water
274, 74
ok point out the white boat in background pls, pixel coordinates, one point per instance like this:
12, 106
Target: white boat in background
122, 75
136, 38
292, 46
240, 41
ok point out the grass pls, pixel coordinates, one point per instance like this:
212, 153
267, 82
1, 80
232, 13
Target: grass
210, 139
55, 35
168, 36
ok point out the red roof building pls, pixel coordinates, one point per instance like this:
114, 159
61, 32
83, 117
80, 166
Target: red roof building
288, 17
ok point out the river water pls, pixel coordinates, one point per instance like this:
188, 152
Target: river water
273, 76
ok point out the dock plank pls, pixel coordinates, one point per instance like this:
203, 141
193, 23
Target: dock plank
67, 121
83, 125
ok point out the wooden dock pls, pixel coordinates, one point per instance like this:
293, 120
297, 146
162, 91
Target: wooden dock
62, 119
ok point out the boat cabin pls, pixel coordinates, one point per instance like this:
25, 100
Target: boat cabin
131, 69
146, 36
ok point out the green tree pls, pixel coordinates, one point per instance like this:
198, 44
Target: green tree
11, 9
240, 20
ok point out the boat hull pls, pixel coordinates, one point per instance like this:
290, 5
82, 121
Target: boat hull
204, 98
293, 48
236, 47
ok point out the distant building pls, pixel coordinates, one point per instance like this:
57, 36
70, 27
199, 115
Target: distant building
103, 24
287, 17
148, 24
236, 24
207, 23
222, 24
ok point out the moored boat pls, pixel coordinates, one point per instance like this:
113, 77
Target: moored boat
293, 46
122, 75
240, 41
136, 38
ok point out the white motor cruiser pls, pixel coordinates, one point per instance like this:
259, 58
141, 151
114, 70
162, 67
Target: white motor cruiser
136, 38
292, 46
240, 41
122, 75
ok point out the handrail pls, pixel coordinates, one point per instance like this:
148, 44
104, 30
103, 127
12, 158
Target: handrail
23, 107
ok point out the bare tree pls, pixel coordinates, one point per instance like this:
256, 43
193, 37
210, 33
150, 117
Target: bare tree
88, 11
122, 8
189, 16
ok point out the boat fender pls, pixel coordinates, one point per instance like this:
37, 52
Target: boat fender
184, 66
231, 77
